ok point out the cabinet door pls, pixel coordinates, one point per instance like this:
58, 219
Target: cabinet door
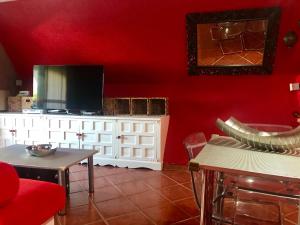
137, 140
98, 134
29, 129
7, 127
62, 132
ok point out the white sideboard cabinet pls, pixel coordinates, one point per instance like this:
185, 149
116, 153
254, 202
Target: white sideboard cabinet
124, 141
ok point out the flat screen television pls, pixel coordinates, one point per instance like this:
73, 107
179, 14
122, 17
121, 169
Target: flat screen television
68, 88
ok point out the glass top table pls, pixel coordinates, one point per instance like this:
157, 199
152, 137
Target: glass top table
62, 159
227, 155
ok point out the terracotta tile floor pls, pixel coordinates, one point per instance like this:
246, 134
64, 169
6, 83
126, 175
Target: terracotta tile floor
130, 196
135, 197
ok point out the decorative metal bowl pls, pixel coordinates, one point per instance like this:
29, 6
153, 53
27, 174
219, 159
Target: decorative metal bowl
40, 150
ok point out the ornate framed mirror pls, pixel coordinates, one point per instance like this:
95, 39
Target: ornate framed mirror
232, 42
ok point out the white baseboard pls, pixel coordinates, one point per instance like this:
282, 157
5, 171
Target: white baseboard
129, 163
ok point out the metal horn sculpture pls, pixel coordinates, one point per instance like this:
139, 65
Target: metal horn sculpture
273, 141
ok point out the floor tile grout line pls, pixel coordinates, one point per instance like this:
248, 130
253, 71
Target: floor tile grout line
153, 188
194, 217
157, 190
95, 166
97, 210
57, 219
290, 221
91, 223
129, 213
290, 213
125, 214
82, 188
248, 60
285, 215
177, 182
181, 199
104, 176
91, 201
86, 180
93, 205
172, 202
87, 188
139, 209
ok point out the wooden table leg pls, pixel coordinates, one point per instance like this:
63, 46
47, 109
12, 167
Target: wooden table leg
206, 211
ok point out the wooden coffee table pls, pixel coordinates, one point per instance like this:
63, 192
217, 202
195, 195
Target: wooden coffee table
61, 160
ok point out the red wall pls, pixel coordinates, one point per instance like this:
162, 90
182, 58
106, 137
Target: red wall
142, 44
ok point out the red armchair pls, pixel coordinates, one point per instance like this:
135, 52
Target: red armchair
27, 202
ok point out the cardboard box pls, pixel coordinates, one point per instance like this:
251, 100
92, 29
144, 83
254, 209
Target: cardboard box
18, 103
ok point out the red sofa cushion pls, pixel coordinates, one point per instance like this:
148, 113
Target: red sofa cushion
35, 203
9, 183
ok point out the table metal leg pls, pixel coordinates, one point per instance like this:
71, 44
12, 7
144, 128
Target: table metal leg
91, 174
206, 211
219, 194
203, 179
62, 182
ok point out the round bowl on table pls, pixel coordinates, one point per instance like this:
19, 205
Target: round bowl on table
40, 150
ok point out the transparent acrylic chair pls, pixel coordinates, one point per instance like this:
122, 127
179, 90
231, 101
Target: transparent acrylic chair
255, 208
193, 144
239, 203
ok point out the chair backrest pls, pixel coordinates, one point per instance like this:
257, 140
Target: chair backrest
194, 143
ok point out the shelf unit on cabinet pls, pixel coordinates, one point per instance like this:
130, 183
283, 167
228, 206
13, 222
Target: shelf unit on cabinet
124, 141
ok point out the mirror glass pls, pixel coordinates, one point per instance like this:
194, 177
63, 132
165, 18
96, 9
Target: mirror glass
232, 42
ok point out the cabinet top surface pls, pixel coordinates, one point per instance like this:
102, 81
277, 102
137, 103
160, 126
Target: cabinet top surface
62, 159
66, 116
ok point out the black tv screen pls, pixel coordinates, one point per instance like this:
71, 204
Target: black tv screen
73, 88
